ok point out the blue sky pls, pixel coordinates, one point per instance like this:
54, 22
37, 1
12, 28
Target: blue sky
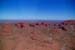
37, 9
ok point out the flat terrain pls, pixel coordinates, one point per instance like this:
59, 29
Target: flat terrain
37, 35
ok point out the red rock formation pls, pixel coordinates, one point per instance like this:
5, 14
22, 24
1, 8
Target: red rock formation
71, 22
38, 36
6, 29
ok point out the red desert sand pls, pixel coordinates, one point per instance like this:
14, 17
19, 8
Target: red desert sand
37, 36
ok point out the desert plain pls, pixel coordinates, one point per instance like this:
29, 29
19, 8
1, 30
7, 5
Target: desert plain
40, 35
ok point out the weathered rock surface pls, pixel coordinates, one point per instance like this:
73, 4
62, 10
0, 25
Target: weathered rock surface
37, 36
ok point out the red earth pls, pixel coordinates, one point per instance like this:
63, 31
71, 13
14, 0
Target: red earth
37, 36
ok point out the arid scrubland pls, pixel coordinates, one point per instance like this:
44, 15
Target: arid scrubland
37, 36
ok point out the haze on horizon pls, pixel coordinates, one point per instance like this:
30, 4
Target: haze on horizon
37, 9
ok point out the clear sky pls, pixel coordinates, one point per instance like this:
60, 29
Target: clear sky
37, 9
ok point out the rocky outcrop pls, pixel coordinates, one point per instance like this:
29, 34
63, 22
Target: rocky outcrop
38, 36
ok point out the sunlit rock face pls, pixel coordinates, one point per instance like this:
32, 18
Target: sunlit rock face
37, 35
